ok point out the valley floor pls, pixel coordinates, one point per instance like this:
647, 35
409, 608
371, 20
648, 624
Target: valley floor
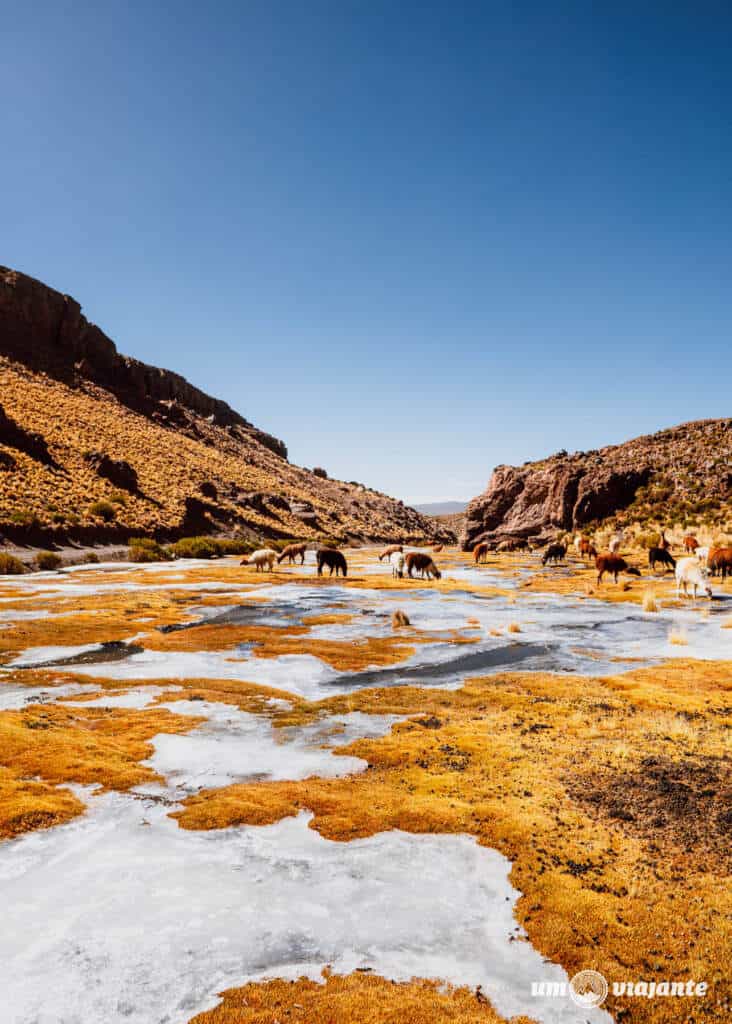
228, 796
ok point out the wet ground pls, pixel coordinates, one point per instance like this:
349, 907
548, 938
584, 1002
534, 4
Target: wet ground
152, 921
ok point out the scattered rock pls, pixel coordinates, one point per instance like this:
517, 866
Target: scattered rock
117, 471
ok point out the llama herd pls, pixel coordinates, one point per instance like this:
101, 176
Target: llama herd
691, 571
414, 562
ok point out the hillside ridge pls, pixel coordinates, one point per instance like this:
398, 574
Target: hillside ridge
96, 447
679, 476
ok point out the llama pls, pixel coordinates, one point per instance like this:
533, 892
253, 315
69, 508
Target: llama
614, 565
388, 552
397, 564
587, 549
661, 555
554, 553
689, 574
720, 561
422, 564
260, 558
615, 541
480, 553
291, 552
335, 560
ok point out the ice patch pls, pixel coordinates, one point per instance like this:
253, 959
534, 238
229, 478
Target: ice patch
235, 745
122, 917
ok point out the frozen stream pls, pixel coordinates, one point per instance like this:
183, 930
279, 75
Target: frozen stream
122, 916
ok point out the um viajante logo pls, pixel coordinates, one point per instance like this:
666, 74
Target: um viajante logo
588, 988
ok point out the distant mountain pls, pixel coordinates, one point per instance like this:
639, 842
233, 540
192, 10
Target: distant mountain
96, 447
441, 508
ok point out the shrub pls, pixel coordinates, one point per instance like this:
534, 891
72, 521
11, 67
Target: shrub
236, 546
103, 510
648, 540
195, 547
24, 517
48, 560
143, 549
90, 558
11, 566
319, 471
118, 498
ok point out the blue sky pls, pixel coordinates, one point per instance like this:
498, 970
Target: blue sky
412, 240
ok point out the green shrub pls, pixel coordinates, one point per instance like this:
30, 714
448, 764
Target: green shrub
11, 566
118, 498
90, 558
195, 547
237, 546
24, 517
143, 549
648, 540
103, 510
48, 560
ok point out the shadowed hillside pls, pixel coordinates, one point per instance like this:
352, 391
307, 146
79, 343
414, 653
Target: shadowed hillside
96, 447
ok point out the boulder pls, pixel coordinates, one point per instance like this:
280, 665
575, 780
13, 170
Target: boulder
117, 471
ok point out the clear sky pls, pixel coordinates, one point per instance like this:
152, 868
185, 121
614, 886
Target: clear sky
414, 240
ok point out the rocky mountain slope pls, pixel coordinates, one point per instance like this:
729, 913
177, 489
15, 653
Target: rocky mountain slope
97, 447
677, 477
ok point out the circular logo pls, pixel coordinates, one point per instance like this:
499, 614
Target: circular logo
588, 988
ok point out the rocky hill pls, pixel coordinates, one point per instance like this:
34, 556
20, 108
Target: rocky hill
96, 447
678, 477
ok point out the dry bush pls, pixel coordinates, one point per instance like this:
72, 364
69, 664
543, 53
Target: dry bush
513, 627
399, 618
650, 604
48, 560
11, 566
103, 510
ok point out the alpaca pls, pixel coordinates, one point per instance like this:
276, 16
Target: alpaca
423, 564
480, 553
335, 560
660, 555
689, 574
397, 564
291, 552
554, 553
260, 558
614, 565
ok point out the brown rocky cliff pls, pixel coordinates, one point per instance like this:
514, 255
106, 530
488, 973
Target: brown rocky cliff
47, 331
676, 471
96, 447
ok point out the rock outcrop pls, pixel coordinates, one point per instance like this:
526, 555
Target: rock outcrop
47, 331
117, 471
679, 471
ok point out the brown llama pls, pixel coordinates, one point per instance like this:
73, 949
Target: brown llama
291, 552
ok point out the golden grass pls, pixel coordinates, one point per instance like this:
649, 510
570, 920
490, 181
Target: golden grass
353, 999
171, 465
513, 627
87, 745
650, 603
26, 805
515, 760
